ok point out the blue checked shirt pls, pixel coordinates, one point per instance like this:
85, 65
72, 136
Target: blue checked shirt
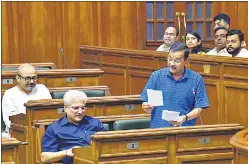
62, 135
183, 95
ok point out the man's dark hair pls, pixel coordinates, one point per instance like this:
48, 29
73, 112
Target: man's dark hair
223, 16
179, 47
220, 28
177, 31
238, 32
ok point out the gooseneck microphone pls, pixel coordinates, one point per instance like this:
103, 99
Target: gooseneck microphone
62, 52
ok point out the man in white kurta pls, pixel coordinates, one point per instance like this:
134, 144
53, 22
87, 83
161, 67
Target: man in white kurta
26, 89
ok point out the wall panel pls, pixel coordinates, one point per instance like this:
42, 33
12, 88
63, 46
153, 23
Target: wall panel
35, 31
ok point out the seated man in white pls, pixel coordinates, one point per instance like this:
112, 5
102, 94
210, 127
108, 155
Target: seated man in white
26, 89
171, 35
219, 41
234, 42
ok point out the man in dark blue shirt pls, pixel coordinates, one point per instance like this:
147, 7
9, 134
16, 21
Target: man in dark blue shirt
183, 90
72, 130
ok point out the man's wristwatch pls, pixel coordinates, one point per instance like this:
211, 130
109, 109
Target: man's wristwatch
186, 117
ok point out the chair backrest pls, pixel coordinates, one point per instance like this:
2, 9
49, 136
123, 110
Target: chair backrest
3, 126
89, 93
132, 124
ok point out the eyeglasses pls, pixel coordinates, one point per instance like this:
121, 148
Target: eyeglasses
76, 108
177, 61
28, 78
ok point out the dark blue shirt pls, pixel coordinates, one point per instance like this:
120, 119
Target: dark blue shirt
62, 135
183, 95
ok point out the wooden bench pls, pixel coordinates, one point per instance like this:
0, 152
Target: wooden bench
59, 78
38, 66
10, 150
39, 113
208, 144
239, 143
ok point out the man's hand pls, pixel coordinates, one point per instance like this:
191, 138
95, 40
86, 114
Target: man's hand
147, 107
179, 122
69, 151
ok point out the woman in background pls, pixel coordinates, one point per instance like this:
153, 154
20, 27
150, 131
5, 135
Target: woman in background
194, 42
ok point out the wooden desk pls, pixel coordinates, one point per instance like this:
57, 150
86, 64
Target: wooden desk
207, 144
36, 65
10, 150
59, 78
240, 147
30, 127
224, 77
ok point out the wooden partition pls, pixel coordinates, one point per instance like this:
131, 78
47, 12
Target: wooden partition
226, 78
10, 150
59, 77
189, 145
36, 65
30, 128
240, 147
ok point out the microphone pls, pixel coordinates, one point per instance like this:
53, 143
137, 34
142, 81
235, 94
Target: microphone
62, 52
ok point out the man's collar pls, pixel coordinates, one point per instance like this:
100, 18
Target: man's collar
65, 121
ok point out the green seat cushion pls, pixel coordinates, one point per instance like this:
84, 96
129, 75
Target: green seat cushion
89, 93
132, 124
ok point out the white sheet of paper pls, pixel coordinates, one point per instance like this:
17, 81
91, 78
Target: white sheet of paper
155, 97
170, 115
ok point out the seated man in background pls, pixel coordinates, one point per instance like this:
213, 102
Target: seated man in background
72, 130
234, 42
183, 90
171, 35
26, 89
222, 20
219, 41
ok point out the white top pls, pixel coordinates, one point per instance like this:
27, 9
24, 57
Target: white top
222, 52
14, 99
163, 49
243, 53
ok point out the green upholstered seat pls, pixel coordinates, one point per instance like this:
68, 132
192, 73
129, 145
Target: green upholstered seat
132, 124
89, 93
106, 126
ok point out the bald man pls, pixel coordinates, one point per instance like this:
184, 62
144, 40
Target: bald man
25, 90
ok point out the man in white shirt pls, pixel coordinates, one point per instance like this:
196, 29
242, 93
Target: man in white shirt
234, 41
26, 89
219, 41
171, 35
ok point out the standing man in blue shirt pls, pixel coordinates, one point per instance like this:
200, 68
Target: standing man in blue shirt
72, 130
183, 90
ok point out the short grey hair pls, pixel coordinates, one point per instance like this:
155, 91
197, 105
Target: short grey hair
25, 65
73, 95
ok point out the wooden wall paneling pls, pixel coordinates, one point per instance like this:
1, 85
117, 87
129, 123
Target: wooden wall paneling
128, 17
139, 70
78, 28
137, 81
236, 104
213, 113
90, 58
115, 78
141, 25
